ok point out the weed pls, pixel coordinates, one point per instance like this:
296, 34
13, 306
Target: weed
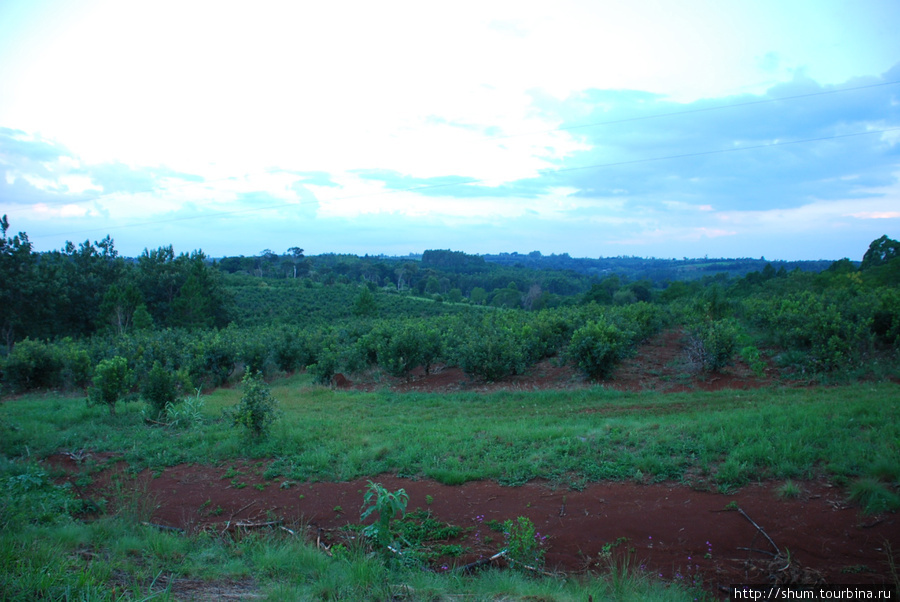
387, 504
524, 545
874, 496
789, 490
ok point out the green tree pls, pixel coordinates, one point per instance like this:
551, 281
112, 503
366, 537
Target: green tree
18, 285
112, 380
881, 251
257, 410
159, 388
365, 304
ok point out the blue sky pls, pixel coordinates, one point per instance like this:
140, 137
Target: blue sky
639, 127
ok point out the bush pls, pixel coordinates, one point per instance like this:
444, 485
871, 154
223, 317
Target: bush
112, 379
159, 390
597, 347
524, 545
32, 365
493, 349
257, 409
711, 345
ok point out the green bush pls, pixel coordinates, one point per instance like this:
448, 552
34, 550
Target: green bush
524, 545
597, 347
32, 365
112, 380
159, 389
711, 345
492, 348
257, 409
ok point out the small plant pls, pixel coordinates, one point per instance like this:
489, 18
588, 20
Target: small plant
387, 504
789, 490
159, 390
874, 496
752, 356
258, 409
429, 500
187, 414
111, 381
524, 545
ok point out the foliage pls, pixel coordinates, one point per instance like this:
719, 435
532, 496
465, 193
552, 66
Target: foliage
711, 345
159, 389
187, 414
257, 410
388, 505
597, 347
112, 379
524, 545
402, 348
491, 348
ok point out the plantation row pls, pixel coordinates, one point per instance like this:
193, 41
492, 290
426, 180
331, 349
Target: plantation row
835, 330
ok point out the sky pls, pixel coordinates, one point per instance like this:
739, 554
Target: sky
651, 128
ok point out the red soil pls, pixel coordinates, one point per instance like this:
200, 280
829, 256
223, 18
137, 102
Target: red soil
665, 529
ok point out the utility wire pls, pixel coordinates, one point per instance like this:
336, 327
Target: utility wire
478, 180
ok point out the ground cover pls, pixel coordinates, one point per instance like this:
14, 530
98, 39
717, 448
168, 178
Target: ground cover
648, 476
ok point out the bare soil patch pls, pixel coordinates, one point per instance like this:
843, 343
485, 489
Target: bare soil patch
668, 530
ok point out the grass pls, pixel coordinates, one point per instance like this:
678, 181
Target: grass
722, 440
714, 440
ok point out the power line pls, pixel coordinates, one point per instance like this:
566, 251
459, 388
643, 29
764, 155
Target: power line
478, 180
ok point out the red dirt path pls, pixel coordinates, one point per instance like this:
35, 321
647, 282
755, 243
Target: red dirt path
670, 530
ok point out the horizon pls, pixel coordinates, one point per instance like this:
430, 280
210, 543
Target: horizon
622, 129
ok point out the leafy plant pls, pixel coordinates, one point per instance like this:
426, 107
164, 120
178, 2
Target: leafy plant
388, 505
711, 345
524, 545
187, 414
159, 390
597, 347
112, 379
257, 409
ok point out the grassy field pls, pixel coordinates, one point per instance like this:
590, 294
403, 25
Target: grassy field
720, 441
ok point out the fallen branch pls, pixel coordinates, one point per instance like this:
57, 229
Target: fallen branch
474, 565
233, 514
760, 529
252, 525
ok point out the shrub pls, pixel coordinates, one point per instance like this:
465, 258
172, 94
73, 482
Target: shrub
257, 409
187, 414
159, 390
112, 379
597, 347
711, 345
387, 504
524, 545
31, 365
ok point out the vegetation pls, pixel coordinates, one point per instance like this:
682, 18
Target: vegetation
84, 322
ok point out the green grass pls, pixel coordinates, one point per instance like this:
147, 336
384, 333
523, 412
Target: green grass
712, 440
